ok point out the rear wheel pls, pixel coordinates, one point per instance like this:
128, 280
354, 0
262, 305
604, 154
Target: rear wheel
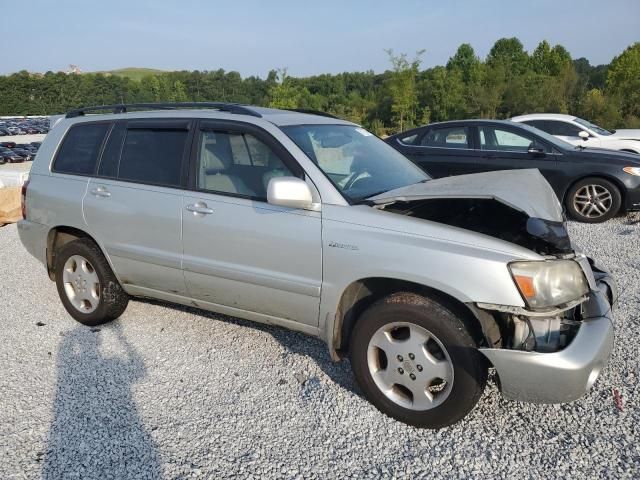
86, 284
593, 200
416, 361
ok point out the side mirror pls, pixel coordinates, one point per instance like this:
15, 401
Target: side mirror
290, 192
584, 135
536, 150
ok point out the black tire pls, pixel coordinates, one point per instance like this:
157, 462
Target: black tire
600, 183
469, 365
113, 300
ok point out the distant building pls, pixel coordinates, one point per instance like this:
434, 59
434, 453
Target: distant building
73, 70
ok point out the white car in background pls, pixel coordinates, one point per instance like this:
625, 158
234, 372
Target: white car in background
578, 131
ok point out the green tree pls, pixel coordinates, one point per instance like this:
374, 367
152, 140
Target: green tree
599, 109
402, 88
509, 53
550, 61
443, 93
285, 94
465, 60
623, 80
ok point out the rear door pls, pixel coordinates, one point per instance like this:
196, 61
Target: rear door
134, 206
504, 148
239, 251
443, 151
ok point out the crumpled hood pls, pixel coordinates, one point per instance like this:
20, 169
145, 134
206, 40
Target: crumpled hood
630, 134
525, 190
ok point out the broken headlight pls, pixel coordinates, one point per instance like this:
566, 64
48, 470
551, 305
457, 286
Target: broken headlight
549, 283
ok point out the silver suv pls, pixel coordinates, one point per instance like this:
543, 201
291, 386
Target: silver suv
314, 224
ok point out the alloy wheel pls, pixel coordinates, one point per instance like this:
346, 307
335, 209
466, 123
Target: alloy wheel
410, 366
592, 201
81, 284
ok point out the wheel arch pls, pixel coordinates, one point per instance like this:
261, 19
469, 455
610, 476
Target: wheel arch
362, 293
58, 237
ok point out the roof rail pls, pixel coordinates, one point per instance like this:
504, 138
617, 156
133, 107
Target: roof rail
312, 112
125, 107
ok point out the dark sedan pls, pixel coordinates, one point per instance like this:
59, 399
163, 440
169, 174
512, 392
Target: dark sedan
594, 184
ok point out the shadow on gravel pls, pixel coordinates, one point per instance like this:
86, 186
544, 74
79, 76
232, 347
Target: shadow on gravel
96, 430
293, 342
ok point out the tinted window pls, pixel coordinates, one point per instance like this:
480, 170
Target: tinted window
450, 137
562, 129
237, 163
153, 156
492, 138
80, 149
109, 162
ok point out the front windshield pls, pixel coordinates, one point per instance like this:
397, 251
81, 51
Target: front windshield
358, 163
592, 126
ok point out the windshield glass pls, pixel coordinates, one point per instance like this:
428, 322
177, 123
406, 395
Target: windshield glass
358, 163
592, 126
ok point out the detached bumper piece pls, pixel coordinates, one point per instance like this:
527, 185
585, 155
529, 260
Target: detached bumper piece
565, 375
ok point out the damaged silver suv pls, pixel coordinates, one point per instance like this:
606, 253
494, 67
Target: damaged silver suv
314, 224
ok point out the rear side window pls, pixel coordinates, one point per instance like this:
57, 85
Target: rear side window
153, 156
450, 137
80, 149
409, 140
539, 124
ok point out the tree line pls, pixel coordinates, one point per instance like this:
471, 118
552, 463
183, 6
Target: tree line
509, 81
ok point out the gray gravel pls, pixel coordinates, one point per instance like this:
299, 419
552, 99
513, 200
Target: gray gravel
180, 393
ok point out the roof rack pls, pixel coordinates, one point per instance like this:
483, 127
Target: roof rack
312, 112
126, 107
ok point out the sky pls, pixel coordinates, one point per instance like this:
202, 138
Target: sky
306, 37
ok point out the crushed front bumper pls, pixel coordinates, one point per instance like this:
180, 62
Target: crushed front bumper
568, 374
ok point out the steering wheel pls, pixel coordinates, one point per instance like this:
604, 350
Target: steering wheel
358, 168
353, 178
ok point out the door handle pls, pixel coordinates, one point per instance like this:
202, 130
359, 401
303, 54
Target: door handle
100, 192
200, 208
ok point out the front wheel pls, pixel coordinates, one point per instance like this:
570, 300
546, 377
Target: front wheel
416, 361
86, 284
593, 200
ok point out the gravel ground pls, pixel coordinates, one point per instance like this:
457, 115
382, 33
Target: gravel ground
179, 393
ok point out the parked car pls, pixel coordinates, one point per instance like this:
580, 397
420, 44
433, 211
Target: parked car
578, 131
27, 155
314, 224
10, 156
594, 184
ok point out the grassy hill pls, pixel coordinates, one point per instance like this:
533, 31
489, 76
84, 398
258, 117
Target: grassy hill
134, 73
